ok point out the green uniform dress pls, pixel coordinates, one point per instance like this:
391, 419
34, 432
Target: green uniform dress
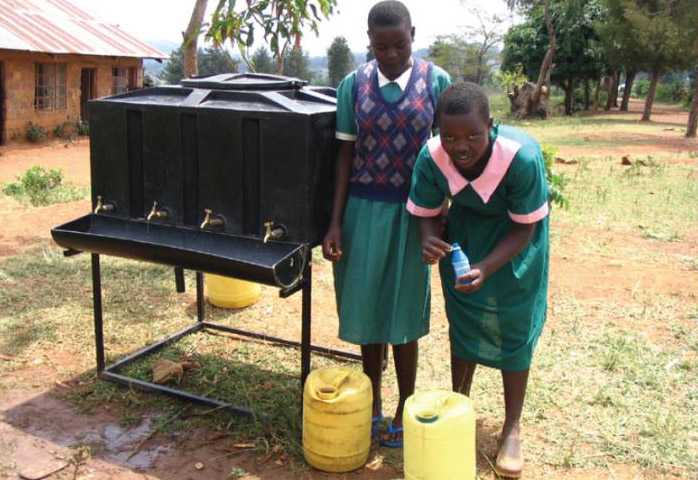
381, 284
498, 325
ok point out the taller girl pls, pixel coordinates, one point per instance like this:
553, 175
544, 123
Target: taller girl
385, 114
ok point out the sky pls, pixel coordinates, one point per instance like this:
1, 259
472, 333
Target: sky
164, 20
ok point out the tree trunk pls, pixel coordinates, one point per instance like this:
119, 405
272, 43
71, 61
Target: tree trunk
693, 117
597, 94
587, 94
654, 79
546, 66
569, 96
614, 92
536, 104
612, 85
191, 39
629, 80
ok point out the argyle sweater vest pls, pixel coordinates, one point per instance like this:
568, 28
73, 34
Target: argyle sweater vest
389, 134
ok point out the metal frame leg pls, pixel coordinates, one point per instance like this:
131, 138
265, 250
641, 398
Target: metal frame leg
306, 323
200, 307
97, 307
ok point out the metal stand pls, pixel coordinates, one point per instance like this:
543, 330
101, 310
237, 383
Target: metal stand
110, 373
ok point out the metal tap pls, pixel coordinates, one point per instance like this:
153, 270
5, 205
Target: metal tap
155, 212
211, 220
273, 232
103, 207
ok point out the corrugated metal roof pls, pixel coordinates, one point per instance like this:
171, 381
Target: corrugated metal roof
58, 26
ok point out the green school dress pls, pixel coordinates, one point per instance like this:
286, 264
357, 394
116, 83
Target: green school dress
381, 285
498, 325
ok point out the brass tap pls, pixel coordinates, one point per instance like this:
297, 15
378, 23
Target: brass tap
155, 212
211, 220
273, 233
103, 207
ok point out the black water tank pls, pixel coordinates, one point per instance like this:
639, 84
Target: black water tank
252, 148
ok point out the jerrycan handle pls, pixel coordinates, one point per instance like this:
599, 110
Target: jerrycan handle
329, 392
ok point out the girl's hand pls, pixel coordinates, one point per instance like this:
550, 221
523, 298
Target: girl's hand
332, 244
434, 249
474, 279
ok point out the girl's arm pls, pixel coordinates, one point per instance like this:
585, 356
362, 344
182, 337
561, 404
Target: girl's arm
512, 244
332, 244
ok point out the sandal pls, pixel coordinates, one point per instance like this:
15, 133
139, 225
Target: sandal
392, 430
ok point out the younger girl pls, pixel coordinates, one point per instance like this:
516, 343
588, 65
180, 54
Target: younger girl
495, 179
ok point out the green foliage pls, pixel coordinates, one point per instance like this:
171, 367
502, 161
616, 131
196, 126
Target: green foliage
340, 60
297, 64
36, 183
211, 61
83, 128
556, 183
507, 80
281, 22
35, 133
641, 88
41, 187
262, 62
461, 59
66, 131
673, 92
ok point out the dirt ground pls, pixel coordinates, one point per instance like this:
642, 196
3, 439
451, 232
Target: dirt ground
41, 428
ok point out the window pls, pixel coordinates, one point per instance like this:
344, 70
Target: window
50, 90
119, 80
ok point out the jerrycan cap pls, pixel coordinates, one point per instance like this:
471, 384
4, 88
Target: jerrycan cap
427, 416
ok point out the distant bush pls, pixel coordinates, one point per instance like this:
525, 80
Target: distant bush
83, 128
66, 131
674, 92
556, 183
641, 88
35, 133
42, 187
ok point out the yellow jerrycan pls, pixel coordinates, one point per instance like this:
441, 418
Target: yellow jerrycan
439, 436
337, 406
226, 292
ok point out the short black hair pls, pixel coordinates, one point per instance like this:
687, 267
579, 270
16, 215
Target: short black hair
389, 13
462, 98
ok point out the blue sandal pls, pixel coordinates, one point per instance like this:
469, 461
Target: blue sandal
392, 430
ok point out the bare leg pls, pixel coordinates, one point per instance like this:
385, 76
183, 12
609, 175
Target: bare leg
462, 375
510, 458
372, 358
406, 368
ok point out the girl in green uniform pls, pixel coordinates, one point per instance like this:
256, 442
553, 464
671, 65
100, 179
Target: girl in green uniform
385, 114
495, 179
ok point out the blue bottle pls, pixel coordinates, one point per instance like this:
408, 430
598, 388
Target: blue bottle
460, 262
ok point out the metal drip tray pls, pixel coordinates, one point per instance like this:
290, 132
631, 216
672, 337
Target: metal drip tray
274, 263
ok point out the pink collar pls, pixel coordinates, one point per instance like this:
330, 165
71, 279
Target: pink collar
503, 152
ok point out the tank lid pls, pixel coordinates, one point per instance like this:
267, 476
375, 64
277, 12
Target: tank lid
244, 81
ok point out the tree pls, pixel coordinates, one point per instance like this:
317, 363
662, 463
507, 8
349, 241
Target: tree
191, 38
340, 60
579, 57
665, 32
486, 34
281, 21
261, 61
531, 104
297, 64
210, 61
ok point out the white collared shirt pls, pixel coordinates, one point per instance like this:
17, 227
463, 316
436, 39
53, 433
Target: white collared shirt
401, 81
